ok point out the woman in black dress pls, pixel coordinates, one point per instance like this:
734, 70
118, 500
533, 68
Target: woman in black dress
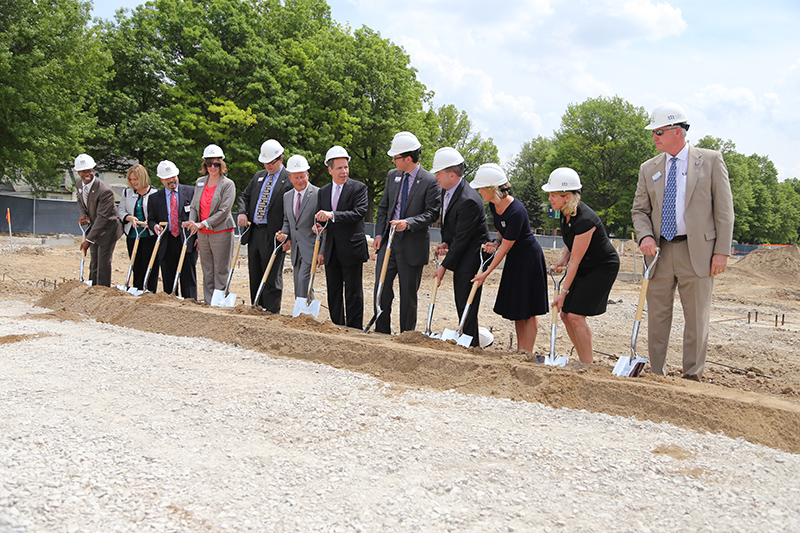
592, 262
522, 293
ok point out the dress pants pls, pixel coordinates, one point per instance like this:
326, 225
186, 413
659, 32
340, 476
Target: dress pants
461, 288
345, 280
674, 269
259, 251
215, 251
140, 262
302, 278
409, 278
101, 253
187, 286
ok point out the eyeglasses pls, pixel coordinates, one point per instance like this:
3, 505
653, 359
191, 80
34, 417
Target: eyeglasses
398, 157
662, 131
214, 164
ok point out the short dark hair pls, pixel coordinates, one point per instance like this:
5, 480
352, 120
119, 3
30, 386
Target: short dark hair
458, 170
414, 155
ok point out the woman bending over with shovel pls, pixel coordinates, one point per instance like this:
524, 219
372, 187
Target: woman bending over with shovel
592, 262
522, 293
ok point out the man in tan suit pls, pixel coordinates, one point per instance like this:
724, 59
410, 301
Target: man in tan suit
683, 205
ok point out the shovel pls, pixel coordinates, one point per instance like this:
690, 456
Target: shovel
632, 365
308, 306
127, 285
185, 234
552, 360
226, 298
459, 337
134, 290
269, 267
428, 331
378, 309
84, 229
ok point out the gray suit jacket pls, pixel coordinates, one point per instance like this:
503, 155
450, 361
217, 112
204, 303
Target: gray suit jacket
299, 231
220, 217
709, 205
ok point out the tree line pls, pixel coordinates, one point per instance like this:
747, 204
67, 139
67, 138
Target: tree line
171, 76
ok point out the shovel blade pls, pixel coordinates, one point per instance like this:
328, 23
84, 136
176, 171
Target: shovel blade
449, 335
135, 291
435, 335
302, 308
464, 340
229, 301
217, 298
88, 282
552, 360
623, 366
637, 365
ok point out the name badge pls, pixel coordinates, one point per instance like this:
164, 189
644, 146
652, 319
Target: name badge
657, 176
398, 179
186, 208
260, 179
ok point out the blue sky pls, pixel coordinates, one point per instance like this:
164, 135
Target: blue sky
515, 66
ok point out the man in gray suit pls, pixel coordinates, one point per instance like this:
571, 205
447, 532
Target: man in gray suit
299, 209
683, 204
410, 202
97, 208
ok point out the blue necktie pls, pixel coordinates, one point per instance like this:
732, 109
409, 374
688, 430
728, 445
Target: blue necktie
669, 226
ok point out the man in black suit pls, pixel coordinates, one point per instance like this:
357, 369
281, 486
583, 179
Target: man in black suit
410, 202
175, 198
344, 249
464, 231
97, 208
261, 207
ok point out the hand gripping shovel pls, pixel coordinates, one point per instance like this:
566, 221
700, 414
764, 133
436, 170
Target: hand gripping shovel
226, 298
127, 287
307, 305
152, 261
185, 234
84, 229
378, 309
459, 337
428, 331
266, 272
552, 360
632, 365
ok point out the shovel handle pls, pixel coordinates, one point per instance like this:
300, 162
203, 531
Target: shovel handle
642, 298
314, 257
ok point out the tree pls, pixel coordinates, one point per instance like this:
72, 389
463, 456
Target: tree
455, 130
604, 140
528, 171
49, 62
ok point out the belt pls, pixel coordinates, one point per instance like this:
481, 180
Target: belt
256, 225
676, 238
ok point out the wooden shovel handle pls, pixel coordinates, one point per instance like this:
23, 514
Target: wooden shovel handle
642, 297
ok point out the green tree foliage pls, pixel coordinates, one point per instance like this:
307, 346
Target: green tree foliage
528, 171
49, 62
604, 140
455, 130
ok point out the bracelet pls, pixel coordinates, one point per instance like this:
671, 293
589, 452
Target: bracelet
565, 290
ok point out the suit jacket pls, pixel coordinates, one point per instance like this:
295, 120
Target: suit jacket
219, 218
299, 231
348, 229
248, 200
101, 210
422, 210
127, 206
158, 211
464, 229
709, 205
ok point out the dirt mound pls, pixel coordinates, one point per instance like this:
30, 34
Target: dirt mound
781, 264
414, 360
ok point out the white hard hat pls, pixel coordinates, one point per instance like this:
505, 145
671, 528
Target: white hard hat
562, 179
336, 152
403, 142
83, 162
270, 151
166, 169
489, 174
297, 163
485, 337
445, 158
669, 114
212, 150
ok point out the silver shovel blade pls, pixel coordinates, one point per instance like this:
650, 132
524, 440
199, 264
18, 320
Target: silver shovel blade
623, 366
552, 360
229, 301
135, 291
464, 340
449, 335
88, 282
435, 335
217, 298
302, 307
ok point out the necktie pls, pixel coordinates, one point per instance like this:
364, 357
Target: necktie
404, 195
445, 204
261, 209
669, 226
297, 207
173, 214
336, 194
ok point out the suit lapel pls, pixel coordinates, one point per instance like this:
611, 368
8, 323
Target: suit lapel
695, 163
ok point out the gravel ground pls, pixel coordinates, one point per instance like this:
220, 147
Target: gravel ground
112, 429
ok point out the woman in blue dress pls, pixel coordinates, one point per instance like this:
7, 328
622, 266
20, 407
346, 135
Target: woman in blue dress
522, 294
591, 261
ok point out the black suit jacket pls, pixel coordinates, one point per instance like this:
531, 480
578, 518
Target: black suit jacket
422, 210
348, 229
248, 201
158, 211
464, 229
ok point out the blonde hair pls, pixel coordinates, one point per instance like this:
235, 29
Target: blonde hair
499, 191
570, 209
141, 175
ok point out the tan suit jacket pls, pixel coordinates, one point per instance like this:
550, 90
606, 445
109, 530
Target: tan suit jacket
219, 218
708, 209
